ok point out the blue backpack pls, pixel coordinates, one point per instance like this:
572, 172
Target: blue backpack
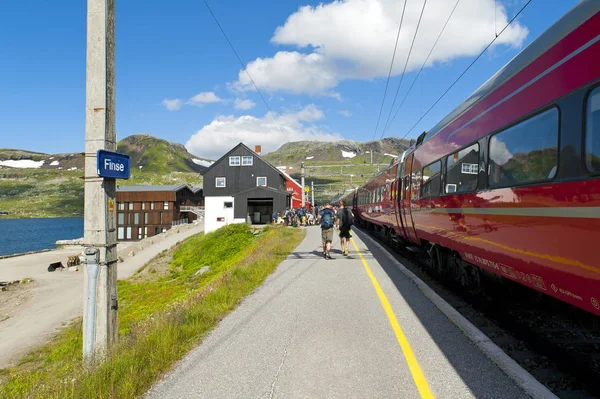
326, 218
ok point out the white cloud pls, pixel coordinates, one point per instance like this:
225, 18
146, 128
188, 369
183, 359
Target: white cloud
354, 39
206, 97
243, 104
172, 105
224, 132
346, 113
291, 72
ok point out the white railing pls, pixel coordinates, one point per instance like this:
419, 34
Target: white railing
197, 210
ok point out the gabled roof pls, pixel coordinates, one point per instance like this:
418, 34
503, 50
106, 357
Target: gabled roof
224, 157
289, 178
151, 188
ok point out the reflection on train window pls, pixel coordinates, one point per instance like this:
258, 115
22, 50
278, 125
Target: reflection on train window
431, 179
525, 153
462, 170
592, 132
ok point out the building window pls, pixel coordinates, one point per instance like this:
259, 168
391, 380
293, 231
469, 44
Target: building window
166, 205
227, 205
592, 131
145, 232
131, 206
161, 218
164, 229
129, 233
464, 177
145, 218
152, 206
120, 218
247, 160
234, 161
121, 206
143, 206
121, 233
525, 153
261, 181
140, 233
220, 182
136, 218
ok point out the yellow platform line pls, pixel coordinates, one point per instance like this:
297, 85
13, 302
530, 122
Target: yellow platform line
413, 364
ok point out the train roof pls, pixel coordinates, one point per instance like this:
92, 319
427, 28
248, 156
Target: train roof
584, 10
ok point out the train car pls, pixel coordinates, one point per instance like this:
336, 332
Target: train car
509, 182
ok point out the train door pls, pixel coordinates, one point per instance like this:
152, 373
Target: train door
399, 197
407, 221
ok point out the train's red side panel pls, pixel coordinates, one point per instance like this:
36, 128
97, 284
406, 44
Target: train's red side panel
540, 235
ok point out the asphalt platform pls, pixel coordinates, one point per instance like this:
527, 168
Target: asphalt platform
349, 327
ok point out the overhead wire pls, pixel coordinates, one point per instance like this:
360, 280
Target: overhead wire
244, 67
390, 72
465, 71
405, 64
422, 67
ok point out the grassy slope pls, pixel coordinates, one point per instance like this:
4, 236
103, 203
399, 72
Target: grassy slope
42, 193
160, 320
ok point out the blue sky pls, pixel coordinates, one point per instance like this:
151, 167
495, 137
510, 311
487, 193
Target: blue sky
322, 69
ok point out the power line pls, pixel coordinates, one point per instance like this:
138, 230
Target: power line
465, 71
422, 67
405, 65
390, 72
245, 68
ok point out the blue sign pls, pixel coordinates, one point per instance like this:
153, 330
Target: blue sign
113, 164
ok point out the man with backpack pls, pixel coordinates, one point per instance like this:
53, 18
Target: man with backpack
344, 222
327, 221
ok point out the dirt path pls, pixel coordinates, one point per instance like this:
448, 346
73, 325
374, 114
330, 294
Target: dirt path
36, 311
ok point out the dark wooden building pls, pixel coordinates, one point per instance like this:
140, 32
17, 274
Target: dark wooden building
242, 184
144, 211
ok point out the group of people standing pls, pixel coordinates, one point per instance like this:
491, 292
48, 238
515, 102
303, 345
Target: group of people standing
294, 217
330, 219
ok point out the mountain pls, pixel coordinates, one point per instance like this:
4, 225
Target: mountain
151, 154
147, 153
344, 151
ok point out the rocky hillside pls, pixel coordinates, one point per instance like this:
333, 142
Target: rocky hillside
345, 151
148, 153
151, 154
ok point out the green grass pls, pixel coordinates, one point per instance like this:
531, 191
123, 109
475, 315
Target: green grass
160, 320
46, 193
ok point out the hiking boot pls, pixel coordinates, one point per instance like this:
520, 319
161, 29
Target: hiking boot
328, 257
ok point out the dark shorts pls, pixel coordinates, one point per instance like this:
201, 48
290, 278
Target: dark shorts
345, 232
327, 235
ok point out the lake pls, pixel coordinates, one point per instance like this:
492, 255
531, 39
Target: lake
25, 235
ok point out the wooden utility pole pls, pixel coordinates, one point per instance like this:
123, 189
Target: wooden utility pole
100, 234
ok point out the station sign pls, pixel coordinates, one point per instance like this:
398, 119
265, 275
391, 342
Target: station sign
113, 164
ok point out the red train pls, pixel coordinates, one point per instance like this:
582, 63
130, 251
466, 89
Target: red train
509, 182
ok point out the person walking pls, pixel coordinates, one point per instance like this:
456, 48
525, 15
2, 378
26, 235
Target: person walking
326, 220
344, 221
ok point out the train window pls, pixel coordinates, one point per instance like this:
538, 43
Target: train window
462, 170
592, 132
431, 179
526, 152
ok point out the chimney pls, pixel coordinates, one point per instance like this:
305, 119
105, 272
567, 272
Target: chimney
257, 149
